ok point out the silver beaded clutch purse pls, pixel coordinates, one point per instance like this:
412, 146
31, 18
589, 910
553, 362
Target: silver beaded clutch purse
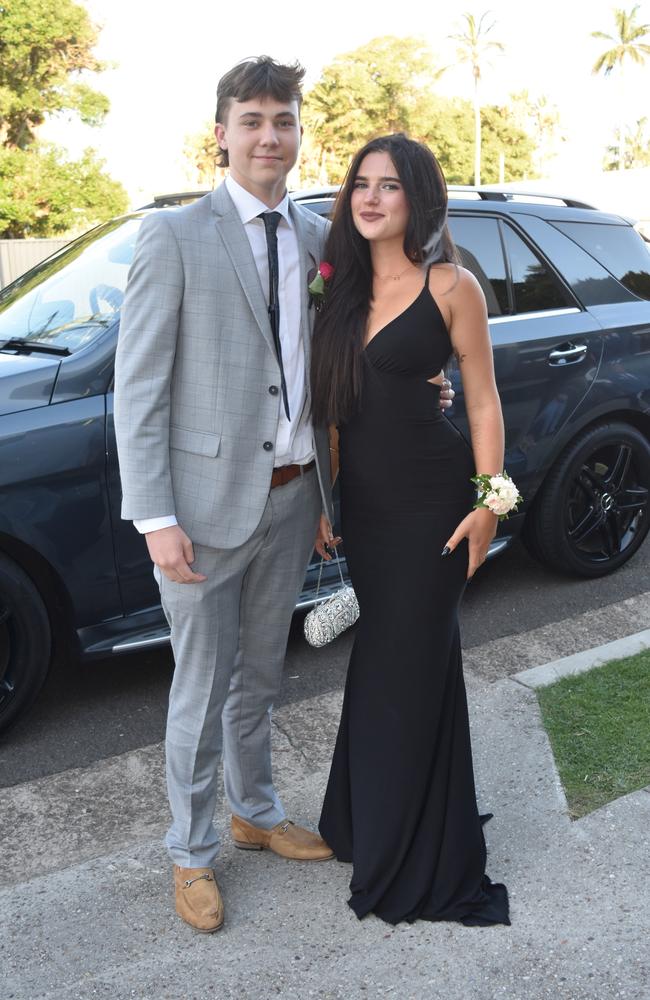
332, 615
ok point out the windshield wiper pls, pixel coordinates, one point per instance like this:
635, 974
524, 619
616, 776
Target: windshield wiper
23, 345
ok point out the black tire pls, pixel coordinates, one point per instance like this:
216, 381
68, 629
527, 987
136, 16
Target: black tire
25, 642
592, 512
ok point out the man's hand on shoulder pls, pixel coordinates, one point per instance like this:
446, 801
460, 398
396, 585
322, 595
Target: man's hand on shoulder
172, 552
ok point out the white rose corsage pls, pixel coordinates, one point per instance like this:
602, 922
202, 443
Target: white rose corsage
498, 493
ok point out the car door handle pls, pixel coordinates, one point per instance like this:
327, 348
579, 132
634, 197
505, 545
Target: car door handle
567, 354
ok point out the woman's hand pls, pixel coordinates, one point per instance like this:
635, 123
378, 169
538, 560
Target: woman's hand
479, 528
325, 538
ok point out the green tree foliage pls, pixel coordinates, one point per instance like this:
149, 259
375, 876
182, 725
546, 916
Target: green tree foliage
636, 148
387, 86
475, 48
359, 97
372, 90
630, 45
201, 151
44, 46
449, 131
500, 136
446, 126
41, 194
540, 119
630, 42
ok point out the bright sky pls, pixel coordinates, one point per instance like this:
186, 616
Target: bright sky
167, 58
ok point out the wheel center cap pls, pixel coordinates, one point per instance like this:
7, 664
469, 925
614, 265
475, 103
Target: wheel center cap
606, 502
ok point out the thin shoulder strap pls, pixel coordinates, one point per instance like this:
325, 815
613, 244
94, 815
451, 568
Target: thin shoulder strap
426, 277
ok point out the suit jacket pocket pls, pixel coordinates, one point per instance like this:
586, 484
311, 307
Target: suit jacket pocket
197, 442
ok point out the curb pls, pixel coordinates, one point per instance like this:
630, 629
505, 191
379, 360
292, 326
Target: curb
580, 663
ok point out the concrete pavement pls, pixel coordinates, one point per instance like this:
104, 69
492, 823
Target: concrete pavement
86, 908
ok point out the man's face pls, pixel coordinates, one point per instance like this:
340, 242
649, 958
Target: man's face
262, 137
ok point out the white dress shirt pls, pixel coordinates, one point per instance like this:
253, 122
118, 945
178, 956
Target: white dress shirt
294, 441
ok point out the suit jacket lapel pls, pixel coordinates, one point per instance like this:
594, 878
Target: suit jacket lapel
309, 249
233, 235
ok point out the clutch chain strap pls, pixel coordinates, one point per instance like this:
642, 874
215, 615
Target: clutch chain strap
320, 573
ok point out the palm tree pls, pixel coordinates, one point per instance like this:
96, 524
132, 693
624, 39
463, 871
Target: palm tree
473, 46
538, 117
628, 47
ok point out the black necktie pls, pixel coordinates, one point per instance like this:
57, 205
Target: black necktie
271, 222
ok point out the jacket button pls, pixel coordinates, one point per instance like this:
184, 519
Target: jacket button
268, 446
273, 389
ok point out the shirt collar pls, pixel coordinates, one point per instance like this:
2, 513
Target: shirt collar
249, 207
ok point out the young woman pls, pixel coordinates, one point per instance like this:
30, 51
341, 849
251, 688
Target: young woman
400, 802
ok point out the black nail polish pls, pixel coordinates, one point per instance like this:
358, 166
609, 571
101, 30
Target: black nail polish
445, 551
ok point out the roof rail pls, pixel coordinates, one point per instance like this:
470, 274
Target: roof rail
524, 197
175, 198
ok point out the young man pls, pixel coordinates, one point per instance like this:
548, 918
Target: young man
222, 470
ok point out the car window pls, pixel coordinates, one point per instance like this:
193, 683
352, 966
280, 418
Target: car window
535, 286
618, 248
479, 245
69, 300
324, 207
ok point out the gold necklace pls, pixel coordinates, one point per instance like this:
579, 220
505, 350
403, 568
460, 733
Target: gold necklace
394, 277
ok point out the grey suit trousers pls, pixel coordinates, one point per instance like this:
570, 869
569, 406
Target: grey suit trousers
229, 639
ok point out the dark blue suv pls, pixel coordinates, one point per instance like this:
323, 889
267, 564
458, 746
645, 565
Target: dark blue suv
568, 293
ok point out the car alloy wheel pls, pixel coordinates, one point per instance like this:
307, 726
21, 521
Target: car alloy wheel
592, 513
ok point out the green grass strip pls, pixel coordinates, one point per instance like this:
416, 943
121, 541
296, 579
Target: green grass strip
599, 727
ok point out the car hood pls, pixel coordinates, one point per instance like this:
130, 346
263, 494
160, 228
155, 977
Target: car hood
26, 381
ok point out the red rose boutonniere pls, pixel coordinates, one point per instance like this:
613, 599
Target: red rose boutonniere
318, 286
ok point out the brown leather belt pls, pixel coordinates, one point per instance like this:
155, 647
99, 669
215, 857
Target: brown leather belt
286, 473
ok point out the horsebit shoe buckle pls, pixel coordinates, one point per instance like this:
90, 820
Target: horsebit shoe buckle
188, 882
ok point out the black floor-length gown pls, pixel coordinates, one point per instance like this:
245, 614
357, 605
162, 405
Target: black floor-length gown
400, 802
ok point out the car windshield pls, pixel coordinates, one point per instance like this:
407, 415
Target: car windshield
69, 299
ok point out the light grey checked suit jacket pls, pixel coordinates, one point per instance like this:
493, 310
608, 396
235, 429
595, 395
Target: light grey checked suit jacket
194, 365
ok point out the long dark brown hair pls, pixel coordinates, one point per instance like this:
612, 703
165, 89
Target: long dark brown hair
340, 328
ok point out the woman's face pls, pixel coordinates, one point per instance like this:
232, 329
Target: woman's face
379, 207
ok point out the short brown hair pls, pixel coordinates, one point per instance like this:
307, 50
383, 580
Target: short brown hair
257, 77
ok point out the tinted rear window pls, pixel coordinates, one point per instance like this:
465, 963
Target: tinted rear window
479, 245
535, 286
618, 248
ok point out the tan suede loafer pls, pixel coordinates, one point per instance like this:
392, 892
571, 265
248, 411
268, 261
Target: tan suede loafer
285, 839
198, 900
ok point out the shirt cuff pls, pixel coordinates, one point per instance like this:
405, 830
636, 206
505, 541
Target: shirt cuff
147, 524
